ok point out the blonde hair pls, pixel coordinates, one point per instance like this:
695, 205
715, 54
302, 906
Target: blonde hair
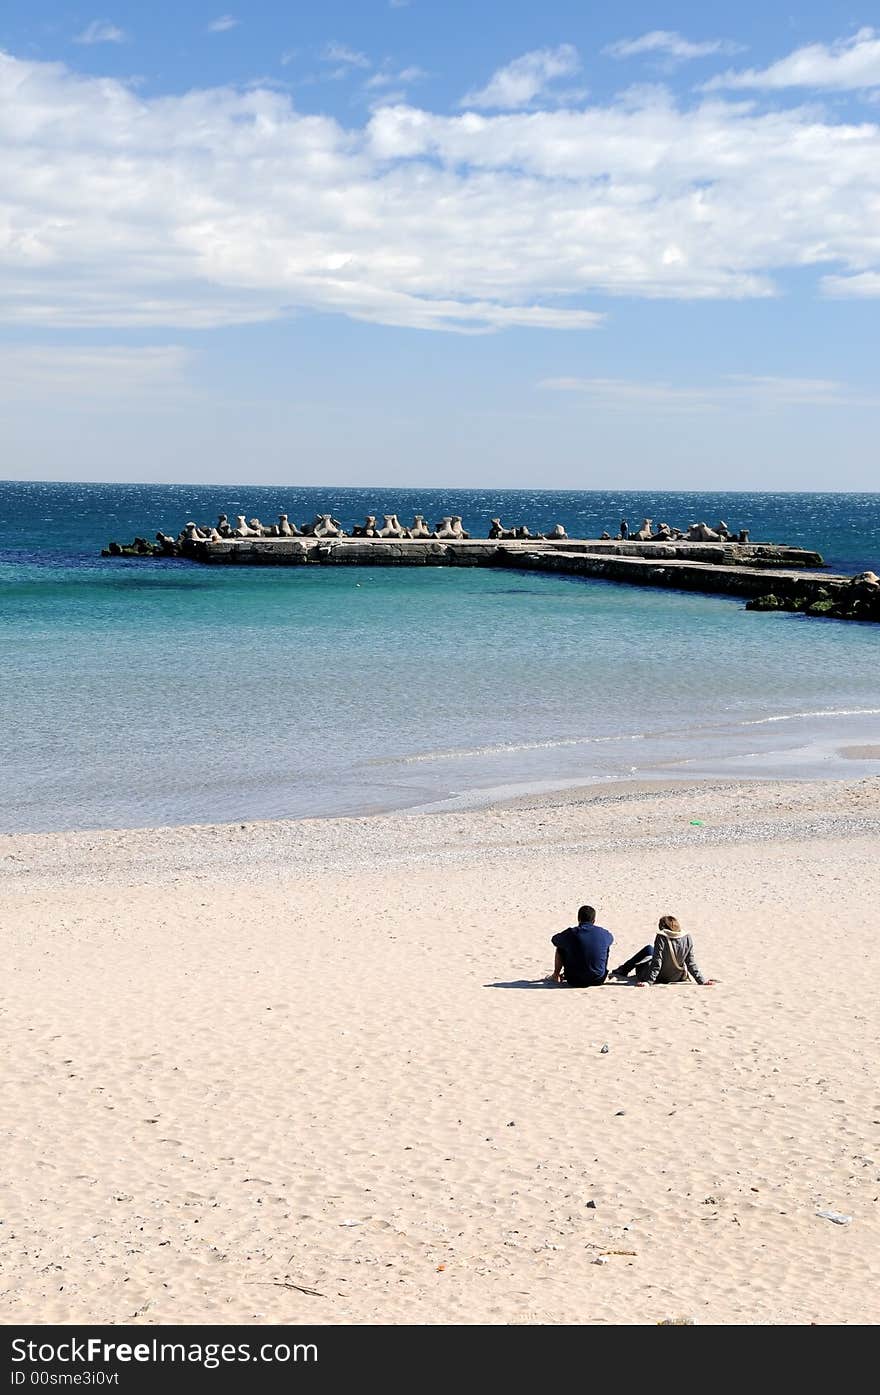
668, 922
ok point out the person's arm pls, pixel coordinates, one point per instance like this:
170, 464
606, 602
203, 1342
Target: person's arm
609, 943
692, 966
656, 964
558, 966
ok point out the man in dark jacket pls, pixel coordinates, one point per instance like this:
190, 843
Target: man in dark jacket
582, 952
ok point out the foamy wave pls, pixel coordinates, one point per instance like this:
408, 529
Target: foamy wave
502, 749
821, 712
515, 748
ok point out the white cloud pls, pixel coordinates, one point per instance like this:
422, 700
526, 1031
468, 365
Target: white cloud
226, 206
222, 24
388, 77
671, 45
847, 65
89, 375
735, 392
346, 57
101, 31
520, 82
864, 283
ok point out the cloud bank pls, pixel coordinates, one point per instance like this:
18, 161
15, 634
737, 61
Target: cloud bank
224, 206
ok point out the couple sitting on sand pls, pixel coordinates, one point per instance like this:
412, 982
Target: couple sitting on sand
582, 954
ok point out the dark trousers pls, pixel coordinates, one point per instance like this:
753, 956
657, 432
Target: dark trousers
640, 962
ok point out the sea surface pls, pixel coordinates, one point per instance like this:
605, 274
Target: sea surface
138, 693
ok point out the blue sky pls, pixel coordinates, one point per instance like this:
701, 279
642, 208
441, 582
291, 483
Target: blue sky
441, 243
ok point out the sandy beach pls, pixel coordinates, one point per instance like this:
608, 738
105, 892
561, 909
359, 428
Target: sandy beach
309, 1071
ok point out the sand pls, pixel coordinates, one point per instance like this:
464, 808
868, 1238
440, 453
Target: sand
308, 1072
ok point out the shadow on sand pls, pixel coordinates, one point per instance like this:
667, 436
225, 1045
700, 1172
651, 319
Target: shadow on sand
548, 983
526, 983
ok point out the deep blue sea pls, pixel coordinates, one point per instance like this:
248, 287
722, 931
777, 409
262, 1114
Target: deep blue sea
158, 692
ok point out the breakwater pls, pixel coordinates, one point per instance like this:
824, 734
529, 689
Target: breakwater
768, 576
564, 554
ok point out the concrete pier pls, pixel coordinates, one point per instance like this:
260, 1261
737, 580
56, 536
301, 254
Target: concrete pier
481, 552
740, 569
769, 576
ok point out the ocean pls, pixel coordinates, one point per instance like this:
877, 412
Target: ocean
139, 693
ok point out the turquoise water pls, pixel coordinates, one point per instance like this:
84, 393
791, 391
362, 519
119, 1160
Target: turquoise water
140, 693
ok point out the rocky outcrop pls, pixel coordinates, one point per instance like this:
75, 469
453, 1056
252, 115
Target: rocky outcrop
140, 547
855, 599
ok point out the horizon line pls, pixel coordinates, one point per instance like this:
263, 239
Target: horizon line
434, 488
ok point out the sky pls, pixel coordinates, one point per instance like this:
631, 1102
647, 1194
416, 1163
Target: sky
427, 242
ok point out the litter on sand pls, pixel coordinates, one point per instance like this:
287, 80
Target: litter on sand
696, 823
836, 1216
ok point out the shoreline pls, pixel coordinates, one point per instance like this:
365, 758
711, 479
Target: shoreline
800, 764
796, 807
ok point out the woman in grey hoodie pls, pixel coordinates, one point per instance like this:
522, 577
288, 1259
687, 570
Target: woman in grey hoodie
670, 959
